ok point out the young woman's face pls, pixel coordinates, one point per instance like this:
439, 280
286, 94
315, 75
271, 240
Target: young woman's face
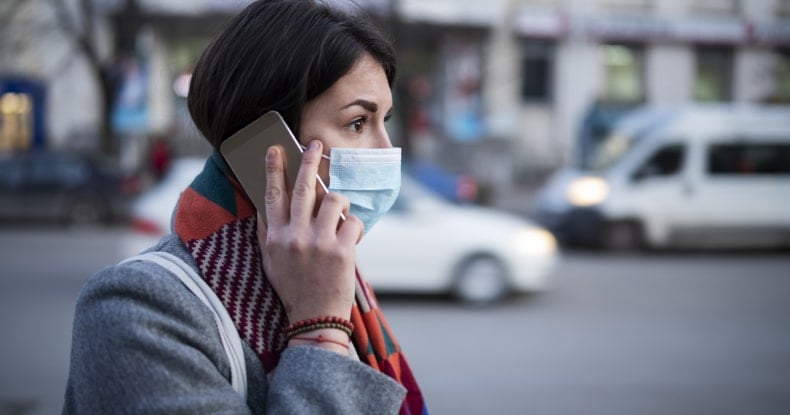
351, 113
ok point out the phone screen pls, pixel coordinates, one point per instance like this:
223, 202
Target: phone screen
245, 153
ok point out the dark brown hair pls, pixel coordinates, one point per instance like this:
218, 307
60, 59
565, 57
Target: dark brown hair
278, 55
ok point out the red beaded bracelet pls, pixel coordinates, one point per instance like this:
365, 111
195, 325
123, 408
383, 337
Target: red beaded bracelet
320, 339
325, 322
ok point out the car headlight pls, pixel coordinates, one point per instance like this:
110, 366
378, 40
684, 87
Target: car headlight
536, 242
587, 191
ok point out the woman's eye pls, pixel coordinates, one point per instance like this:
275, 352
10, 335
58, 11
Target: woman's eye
358, 125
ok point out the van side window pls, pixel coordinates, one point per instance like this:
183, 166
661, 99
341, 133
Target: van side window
749, 158
668, 160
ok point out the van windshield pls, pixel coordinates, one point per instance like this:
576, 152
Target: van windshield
624, 137
610, 151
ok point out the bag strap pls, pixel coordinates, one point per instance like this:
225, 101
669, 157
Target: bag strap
228, 334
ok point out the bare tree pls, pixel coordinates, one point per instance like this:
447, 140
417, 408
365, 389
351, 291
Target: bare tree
78, 22
80, 25
10, 11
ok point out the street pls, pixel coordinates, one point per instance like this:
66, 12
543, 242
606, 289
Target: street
658, 333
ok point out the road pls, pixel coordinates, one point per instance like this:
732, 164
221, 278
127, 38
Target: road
641, 334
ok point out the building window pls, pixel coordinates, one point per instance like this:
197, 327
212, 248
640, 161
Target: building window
715, 6
713, 78
552, 3
623, 67
463, 111
783, 8
782, 77
749, 158
16, 121
536, 71
626, 4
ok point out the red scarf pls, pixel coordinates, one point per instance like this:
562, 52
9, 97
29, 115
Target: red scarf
217, 222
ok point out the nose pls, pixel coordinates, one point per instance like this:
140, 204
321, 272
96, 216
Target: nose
382, 139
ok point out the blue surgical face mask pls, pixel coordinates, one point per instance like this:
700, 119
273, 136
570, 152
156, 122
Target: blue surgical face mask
368, 177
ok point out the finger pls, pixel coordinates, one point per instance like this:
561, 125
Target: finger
276, 196
351, 230
261, 231
303, 195
332, 205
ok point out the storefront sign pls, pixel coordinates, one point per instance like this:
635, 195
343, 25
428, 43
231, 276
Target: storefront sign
639, 27
534, 23
650, 28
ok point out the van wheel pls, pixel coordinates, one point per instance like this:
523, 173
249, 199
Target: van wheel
622, 237
481, 280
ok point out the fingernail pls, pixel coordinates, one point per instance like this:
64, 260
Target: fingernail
271, 154
315, 145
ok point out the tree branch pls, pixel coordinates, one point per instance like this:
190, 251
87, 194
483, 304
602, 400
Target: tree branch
67, 22
8, 11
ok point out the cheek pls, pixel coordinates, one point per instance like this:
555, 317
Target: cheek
328, 142
323, 171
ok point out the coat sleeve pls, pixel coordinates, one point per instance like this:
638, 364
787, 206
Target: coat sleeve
142, 343
310, 380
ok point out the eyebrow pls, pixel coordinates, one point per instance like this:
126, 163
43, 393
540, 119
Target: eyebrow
368, 105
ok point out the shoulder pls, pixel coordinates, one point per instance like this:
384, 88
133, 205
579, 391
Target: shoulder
129, 299
141, 338
139, 282
136, 282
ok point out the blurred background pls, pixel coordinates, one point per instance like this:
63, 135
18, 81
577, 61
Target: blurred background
594, 217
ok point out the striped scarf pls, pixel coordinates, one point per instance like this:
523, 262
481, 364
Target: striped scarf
217, 222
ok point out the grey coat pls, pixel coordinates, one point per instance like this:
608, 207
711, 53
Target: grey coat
143, 343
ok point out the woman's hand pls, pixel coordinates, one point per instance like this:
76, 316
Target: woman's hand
308, 259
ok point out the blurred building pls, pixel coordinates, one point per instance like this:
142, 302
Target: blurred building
525, 83
507, 90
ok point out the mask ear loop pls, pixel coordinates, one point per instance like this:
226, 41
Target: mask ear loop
302, 148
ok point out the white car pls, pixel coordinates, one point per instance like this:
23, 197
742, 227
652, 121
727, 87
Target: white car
150, 214
428, 245
423, 245
152, 211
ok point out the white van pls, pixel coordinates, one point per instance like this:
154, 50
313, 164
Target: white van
691, 176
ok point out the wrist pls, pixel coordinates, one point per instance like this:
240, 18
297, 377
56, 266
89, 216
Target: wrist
317, 323
297, 316
329, 339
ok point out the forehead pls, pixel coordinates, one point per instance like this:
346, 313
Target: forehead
366, 79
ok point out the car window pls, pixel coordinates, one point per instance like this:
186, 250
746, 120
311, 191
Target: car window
49, 169
104, 165
400, 204
666, 161
10, 172
413, 194
748, 159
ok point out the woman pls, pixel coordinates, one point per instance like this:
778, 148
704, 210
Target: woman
313, 342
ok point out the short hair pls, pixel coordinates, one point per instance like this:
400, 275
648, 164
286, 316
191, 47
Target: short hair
278, 55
